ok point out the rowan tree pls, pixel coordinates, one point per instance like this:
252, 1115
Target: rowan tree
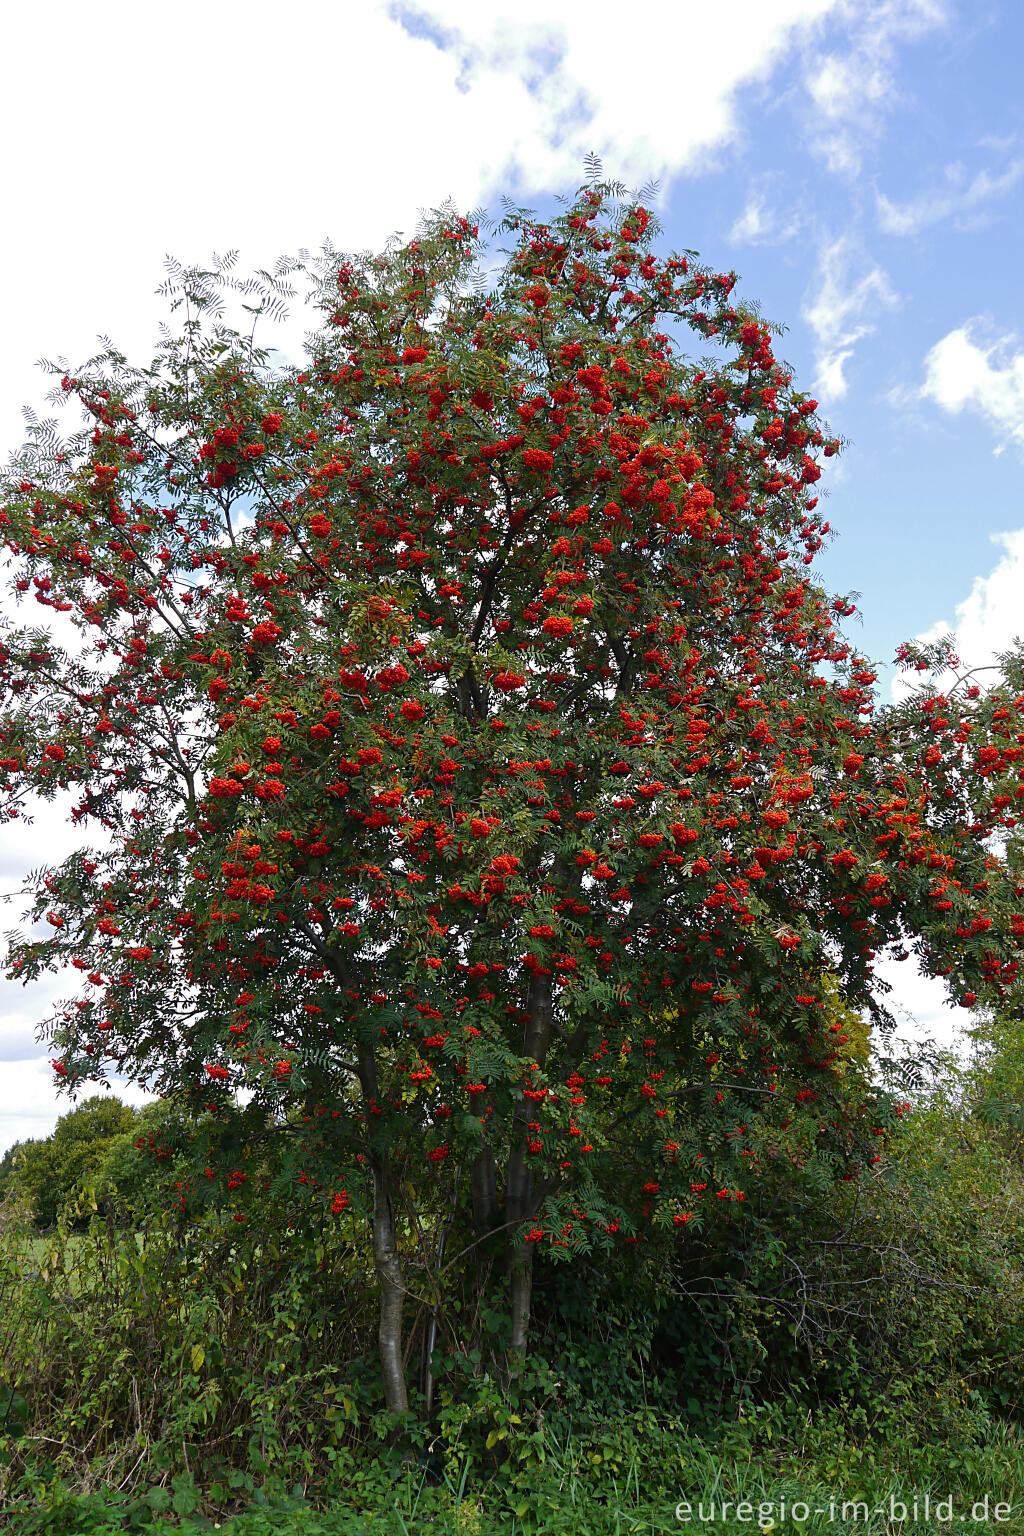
480, 780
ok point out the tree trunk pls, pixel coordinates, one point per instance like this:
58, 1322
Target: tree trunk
519, 1305
392, 1289
483, 1180
519, 1184
385, 1254
430, 1337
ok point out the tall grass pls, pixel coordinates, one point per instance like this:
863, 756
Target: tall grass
653, 1482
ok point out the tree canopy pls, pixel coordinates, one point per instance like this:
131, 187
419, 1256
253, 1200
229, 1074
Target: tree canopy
480, 778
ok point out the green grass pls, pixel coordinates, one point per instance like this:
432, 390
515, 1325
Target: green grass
606, 1487
72, 1247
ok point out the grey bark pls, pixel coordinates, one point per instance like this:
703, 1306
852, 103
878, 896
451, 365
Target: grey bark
392, 1289
519, 1188
385, 1256
484, 1187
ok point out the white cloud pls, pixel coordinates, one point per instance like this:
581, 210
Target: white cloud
624, 99
851, 87
28, 1103
959, 198
847, 293
751, 227
991, 617
986, 623
269, 130
961, 373
842, 90
22, 1013
921, 1007
760, 224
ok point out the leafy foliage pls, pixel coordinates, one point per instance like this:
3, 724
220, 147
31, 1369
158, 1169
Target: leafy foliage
872, 1339
485, 786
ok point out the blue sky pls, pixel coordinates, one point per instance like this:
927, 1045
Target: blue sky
860, 163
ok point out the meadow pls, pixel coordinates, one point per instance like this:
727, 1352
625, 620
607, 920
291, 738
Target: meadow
163, 1374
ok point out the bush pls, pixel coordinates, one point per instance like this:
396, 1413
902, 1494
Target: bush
196, 1362
207, 1345
905, 1286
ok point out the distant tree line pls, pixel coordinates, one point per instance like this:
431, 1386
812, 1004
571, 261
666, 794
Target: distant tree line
91, 1146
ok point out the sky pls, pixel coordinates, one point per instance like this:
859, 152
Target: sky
860, 164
